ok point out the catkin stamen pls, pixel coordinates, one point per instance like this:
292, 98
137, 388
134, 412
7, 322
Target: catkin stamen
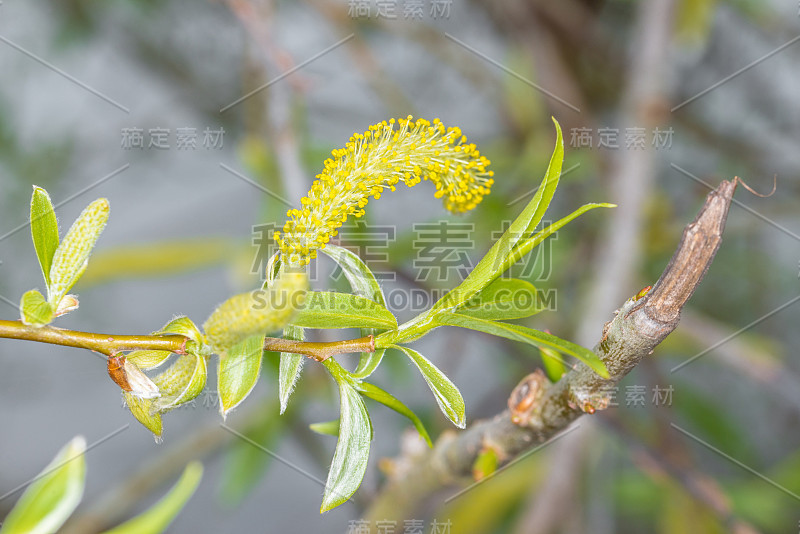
370, 163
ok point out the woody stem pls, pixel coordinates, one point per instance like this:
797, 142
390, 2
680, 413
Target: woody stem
107, 344
320, 351
110, 344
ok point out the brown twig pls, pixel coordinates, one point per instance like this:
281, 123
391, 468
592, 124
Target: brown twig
540, 409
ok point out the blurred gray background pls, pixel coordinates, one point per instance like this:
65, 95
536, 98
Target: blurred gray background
720, 76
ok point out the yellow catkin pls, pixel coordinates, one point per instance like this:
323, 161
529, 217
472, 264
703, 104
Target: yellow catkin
405, 150
256, 313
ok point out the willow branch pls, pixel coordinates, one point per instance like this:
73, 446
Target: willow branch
108, 344
538, 410
320, 351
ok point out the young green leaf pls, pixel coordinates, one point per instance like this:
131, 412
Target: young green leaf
182, 326
53, 495
526, 245
485, 464
145, 412
446, 393
72, 255
34, 309
180, 382
503, 299
290, 366
328, 428
364, 284
377, 394
352, 449
148, 359
544, 195
533, 337
343, 310
554, 365
490, 266
67, 304
157, 518
239, 369
368, 362
361, 278
44, 230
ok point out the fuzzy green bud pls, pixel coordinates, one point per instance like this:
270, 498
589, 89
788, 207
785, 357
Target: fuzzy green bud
256, 313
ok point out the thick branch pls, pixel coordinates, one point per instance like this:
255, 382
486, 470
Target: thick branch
539, 410
107, 344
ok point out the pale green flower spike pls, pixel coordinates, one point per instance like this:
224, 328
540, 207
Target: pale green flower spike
258, 312
72, 254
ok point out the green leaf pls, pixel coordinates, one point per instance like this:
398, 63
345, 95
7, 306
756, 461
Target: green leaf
485, 464
34, 309
377, 394
526, 245
239, 369
145, 412
182, 326
503, 299
148, 359
53, 495
72, 255
44, 230
368, 362
181, 382
554, 365
446, 393
290, 366
352, 449
364, 284
361, 278
524, 334
156, 519
328, 428
490, 266
343, 310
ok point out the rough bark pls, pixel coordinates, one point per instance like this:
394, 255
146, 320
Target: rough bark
539, 410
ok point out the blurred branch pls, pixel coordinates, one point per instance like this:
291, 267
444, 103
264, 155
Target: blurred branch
538, 410
256, 16
644, 105
547, 509
364, 59
698, 485
752, 360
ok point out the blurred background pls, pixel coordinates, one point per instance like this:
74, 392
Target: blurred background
202, 122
